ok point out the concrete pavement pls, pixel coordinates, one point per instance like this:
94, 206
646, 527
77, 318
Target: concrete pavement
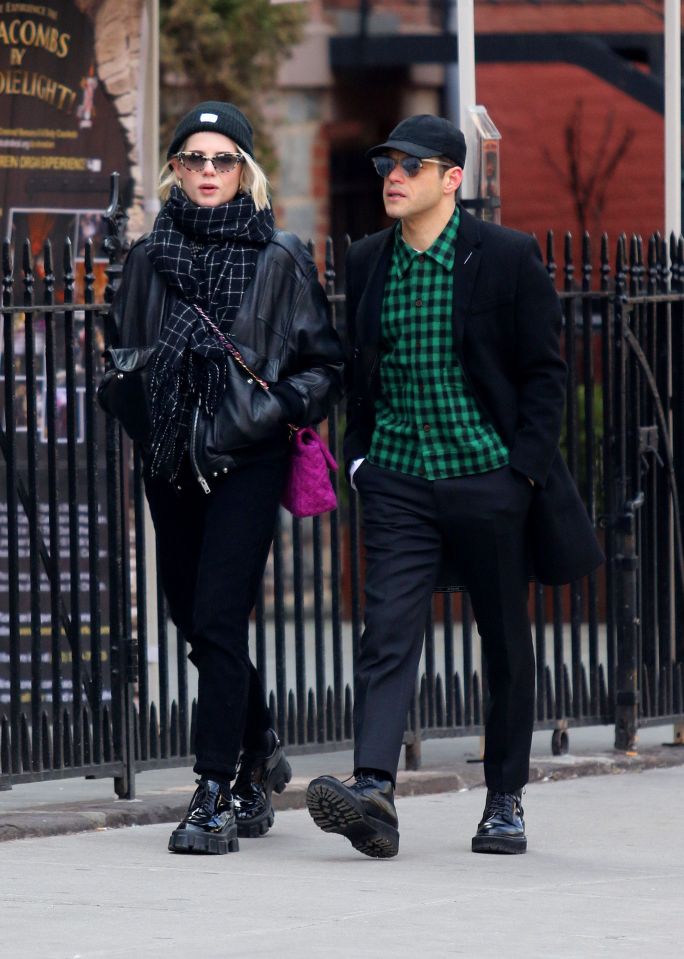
603, 878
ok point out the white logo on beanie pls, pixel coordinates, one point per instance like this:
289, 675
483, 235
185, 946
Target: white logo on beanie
208, 117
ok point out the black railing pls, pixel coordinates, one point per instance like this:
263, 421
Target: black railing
94, 679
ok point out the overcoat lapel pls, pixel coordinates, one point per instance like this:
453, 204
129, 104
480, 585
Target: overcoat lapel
466, 264
369, 310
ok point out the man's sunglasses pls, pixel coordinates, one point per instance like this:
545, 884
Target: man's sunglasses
223, 162
410, 165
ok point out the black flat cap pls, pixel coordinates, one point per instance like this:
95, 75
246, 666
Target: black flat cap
425, 136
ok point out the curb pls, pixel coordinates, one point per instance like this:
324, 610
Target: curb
170, 806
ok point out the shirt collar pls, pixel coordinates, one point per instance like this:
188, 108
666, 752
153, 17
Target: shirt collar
442, 251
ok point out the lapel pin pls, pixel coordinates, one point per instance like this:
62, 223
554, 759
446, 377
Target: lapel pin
467, 258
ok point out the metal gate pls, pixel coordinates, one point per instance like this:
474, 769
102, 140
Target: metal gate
94, 679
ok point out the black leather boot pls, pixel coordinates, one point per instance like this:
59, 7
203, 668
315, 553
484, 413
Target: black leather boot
502, 827
363, 813
209, 825
259, 775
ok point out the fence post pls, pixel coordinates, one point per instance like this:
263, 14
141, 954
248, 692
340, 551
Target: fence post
626, 558
121, 644
627, 685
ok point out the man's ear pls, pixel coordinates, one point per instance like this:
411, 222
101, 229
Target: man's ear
452, 179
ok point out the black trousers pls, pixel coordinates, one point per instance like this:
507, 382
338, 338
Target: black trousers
406, 521
212, 550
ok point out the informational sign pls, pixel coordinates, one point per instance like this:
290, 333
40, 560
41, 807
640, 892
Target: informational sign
72, 86
61, 129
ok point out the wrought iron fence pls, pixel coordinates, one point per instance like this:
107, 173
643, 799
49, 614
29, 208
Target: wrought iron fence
93, 677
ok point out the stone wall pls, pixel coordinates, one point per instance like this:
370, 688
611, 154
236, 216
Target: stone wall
117, 27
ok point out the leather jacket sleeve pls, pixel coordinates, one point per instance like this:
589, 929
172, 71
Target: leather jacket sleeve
314, 381
139, 302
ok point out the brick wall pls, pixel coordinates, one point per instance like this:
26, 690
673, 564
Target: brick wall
531, 105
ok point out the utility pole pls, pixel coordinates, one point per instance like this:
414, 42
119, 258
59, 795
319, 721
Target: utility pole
460, 85
673, 118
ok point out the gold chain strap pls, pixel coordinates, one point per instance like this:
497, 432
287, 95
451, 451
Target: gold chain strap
234, 352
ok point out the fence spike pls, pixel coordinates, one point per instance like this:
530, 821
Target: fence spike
440, 706
174, 737
348, 713
477, 700
27, 259
568, 697
193, 725
107, 735
68, 271
603, 693
458, 700
550, 254
154, 731
330, 712
87, 739
653, 262
25, 743
549, 692
49, 278
46, 741
7, 261
5, 747
67, 741
88, 256
329, 265
584, 689
291, 717
311, 717
137, 739
569, 265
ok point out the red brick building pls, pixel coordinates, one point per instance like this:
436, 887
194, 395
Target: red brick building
575, 89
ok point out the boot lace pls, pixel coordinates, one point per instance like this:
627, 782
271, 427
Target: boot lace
202, 800
504, 804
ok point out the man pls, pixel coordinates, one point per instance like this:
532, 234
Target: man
453, 420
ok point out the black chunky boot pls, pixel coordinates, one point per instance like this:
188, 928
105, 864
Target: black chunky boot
502, 827
363, 812
209, 825
259, 775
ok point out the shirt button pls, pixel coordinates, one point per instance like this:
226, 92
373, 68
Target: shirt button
419, 302
421, 259
426, 427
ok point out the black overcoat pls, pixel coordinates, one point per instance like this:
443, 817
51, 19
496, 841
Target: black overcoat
506, 323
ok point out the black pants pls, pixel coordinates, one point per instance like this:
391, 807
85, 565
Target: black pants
406, 521
212, 552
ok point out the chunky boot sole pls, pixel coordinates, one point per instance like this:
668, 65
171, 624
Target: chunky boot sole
276, 780
333, 810
501, 845
258, 826
203, 843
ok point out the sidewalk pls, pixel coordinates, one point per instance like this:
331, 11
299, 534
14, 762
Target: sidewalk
603, 876
74, 805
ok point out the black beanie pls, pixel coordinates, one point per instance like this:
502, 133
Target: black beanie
215, 117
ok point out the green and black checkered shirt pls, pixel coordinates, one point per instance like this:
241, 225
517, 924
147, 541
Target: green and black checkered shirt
427, 420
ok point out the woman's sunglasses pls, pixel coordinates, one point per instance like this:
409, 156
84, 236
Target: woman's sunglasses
223, 162
410, 165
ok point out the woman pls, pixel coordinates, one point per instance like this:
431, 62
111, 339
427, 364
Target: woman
215, 273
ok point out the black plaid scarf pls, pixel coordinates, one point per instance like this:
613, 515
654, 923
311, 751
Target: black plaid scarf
207, 256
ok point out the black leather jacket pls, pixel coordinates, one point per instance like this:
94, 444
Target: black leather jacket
284, 333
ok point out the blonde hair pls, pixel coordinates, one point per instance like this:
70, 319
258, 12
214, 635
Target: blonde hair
252, 180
